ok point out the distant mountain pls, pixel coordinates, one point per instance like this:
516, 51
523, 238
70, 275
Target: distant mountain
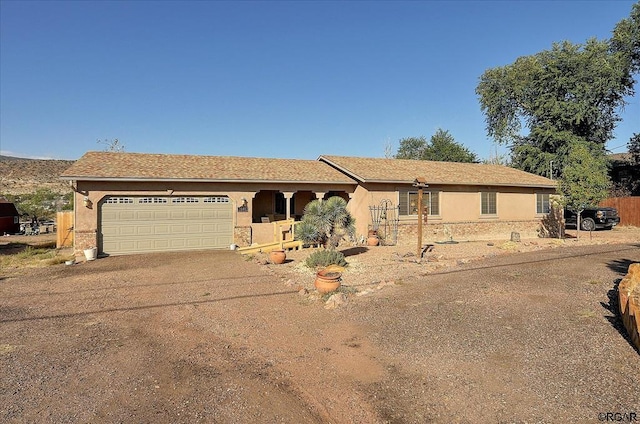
21, 175
2, 158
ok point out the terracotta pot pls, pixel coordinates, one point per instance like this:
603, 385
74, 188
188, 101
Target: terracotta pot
373, 233
277, 256
373, 241
327, 281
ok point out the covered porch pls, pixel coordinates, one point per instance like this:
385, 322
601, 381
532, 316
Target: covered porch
283, 208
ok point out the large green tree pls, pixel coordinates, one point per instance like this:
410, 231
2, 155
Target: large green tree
541, 104
585, 181
626, 39
440, 147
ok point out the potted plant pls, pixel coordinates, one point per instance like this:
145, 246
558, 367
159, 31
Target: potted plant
326, 223
327, 280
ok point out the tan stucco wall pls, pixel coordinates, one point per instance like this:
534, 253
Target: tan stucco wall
86, 218
459, 206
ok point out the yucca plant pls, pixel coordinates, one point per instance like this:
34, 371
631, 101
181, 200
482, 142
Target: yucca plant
326, 223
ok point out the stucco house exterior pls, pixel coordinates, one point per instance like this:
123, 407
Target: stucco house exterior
462, 200
133, 202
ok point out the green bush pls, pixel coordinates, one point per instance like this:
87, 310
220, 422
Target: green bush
324, 258
326, 223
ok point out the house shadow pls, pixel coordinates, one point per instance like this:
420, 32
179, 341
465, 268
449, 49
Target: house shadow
353, 251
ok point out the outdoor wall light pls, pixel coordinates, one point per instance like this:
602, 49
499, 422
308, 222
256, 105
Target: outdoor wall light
87, 202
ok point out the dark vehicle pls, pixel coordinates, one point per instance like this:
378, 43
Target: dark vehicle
593, 218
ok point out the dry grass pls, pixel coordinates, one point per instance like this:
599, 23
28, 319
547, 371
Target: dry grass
20, 255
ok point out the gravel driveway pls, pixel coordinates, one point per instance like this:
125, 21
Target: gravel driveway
211, 337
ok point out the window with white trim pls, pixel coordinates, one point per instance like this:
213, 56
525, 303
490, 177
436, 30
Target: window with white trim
542, 203
152, 200
184, 200
216, 199
119, 200
408, 201
488, 203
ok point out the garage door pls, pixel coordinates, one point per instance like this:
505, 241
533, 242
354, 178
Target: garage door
155, 224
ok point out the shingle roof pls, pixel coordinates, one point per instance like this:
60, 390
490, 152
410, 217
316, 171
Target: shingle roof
156, 167
327, 169
406, 171
621, 157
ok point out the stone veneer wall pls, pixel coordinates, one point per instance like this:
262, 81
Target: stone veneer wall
84, 240
629, 296
242, 236
489, 230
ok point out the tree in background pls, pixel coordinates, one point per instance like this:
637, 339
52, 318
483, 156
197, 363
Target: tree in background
570, 93
411, 148
626, 171
633, 147
626, 39
496, 158
441, 147
40, 205
112, 145
585, 181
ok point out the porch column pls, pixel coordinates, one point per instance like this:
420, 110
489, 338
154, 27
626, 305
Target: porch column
320, 195
288, 195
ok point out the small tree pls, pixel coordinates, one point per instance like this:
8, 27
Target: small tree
326, 222
585, 180
39, 205
440, 147
112, 145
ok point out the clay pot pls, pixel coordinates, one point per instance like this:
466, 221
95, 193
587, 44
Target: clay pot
373, 233
327, 281
277, 256
373, 241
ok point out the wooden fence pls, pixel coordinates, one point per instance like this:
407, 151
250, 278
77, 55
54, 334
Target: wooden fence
628, 209
64, 222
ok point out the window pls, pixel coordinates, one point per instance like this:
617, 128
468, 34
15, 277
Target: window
409, 202
488, 203
184, 200
152, 200
118, 200
542, 203
216, 199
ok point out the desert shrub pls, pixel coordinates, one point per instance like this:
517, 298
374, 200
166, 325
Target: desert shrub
326, 223
325, 257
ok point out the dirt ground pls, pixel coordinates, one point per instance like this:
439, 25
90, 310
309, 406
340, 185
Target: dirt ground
475, 332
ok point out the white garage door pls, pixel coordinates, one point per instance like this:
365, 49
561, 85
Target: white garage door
154, 224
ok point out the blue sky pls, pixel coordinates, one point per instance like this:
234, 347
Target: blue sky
268, 79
